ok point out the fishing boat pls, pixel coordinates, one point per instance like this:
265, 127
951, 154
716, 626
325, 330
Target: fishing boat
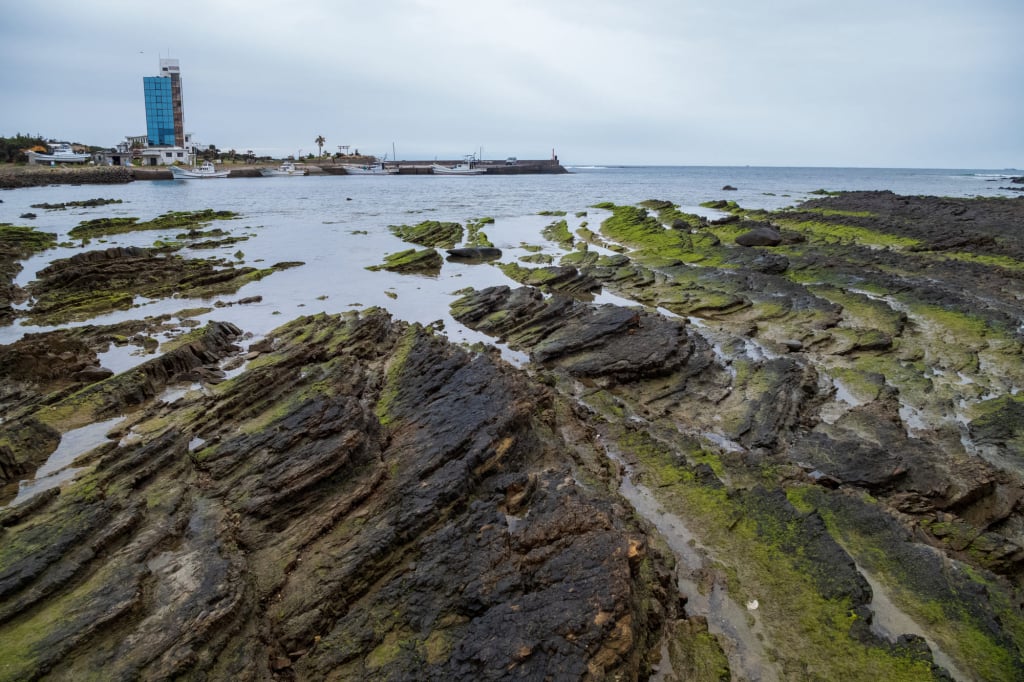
286, 168
369, 169
62, 153
201, 172
467, 167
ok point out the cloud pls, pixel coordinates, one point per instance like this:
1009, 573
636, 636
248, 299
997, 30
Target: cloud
913, 83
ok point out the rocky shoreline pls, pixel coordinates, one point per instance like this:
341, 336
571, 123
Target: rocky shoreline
799, 455
41, 176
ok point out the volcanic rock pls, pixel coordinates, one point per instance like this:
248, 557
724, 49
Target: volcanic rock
761, 236
367, 484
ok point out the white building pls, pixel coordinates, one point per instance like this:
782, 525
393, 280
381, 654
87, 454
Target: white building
136, 148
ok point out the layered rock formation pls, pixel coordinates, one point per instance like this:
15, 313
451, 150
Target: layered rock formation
794, 459
365, 502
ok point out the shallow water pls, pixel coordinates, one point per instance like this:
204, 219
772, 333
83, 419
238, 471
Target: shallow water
740, 632
320, 221
337, 226
889, 622
57, 469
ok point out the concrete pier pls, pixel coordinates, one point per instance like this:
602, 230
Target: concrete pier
500, 167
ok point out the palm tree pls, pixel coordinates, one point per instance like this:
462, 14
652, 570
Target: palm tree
320, 143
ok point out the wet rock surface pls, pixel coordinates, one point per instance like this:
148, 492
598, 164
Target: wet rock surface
371, 504
826, 431
422, 261
16, 244
879, 369
98, 281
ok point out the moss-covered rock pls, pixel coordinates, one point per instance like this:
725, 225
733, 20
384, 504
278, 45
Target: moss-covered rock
174, 220
94, 282
432, 233
423, 261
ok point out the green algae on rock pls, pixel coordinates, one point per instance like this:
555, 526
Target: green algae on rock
20, 242
16, 244
87, 203
558, 231
423, 262
93, 282
174, 220
431, 233
476, 235
562, 278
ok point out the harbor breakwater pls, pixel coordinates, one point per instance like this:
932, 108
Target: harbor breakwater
41, 176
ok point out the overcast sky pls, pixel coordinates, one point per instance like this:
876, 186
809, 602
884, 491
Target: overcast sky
891, 83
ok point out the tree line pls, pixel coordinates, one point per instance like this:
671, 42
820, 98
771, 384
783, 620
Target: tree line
12, 149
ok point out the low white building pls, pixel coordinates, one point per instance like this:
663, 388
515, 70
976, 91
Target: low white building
136, 148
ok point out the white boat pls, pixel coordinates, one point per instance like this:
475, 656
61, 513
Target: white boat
201, 172
368, 169
286, 168
467, 167
62, 153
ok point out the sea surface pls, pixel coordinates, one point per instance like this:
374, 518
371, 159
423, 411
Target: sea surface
338, 225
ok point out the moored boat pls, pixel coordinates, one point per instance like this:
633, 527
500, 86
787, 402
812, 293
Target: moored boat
467, 167
204, 171
286, 168
368, 169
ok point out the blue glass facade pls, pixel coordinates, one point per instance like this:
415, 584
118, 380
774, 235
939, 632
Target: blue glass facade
159, 110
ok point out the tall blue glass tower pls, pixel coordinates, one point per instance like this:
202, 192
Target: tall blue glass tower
165, 125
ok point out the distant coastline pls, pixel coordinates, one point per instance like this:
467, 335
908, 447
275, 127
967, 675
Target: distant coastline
14, 176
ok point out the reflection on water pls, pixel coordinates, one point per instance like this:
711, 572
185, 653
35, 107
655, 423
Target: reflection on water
57, 467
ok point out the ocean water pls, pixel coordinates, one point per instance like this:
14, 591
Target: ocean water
338, 225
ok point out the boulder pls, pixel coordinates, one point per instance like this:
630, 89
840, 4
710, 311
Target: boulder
91, 374
760, 236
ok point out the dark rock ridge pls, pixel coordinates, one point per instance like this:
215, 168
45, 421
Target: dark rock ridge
586, 341
366, 502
